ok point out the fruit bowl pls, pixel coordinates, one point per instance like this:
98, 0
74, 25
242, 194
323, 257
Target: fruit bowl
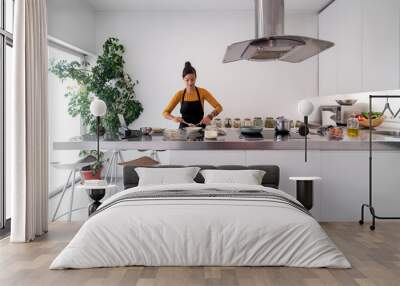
364, 122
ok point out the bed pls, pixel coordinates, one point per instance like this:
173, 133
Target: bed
198, 224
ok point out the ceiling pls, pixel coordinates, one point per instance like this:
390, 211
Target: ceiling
123, 5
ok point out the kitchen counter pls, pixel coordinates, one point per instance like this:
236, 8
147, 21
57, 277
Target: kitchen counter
234, 141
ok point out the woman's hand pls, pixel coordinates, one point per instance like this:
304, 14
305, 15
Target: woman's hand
206, 120
177, 119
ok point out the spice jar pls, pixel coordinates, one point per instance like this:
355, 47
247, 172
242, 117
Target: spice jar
258, 122
247, 122
236, 123
218, 122
228, 123
269, 122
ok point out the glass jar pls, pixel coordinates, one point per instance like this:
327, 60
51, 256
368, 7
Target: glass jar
352, 127
236, 123
211, 132
218, 122
247, 122
258, 122
228, 123
269, 122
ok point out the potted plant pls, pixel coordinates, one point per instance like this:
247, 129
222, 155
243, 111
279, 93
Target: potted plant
93, 171
108, 80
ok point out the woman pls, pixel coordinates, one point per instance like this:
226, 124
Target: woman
192, 102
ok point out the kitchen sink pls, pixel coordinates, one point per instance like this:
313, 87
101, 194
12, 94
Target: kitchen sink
389, 133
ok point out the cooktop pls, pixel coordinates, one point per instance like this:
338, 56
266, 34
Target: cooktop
271, 134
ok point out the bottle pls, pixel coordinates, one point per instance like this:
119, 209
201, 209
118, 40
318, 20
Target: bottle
352, 126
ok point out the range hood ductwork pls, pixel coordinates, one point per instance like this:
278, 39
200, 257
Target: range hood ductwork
270, 42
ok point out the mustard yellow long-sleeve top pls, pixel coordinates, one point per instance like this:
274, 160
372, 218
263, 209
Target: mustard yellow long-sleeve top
205, 95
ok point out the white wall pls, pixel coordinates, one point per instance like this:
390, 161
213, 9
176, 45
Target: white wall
158, 43
72, 21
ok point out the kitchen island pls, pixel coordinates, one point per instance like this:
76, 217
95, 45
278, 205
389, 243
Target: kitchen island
233, 140
342, 165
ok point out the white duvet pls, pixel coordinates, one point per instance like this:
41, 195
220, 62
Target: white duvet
219, 232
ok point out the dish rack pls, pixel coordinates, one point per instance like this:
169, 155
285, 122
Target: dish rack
370, 200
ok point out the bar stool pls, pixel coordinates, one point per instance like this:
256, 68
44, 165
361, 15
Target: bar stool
115, 159
73, 168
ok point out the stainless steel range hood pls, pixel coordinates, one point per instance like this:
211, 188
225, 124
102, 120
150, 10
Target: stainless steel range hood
271, 43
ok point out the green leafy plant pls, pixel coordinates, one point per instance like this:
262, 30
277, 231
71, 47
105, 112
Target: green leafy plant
107, 80
95, 166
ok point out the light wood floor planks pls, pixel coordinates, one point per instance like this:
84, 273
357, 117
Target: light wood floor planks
375, 257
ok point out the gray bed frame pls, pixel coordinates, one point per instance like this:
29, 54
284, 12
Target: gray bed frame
270, 179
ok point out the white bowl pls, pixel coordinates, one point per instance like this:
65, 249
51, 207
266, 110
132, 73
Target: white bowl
190, 130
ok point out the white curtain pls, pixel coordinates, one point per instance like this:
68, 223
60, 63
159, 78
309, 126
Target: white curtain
29, 151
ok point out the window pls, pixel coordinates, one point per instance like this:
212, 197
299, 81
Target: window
6, 65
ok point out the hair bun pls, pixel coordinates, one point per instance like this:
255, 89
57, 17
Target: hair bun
188, 64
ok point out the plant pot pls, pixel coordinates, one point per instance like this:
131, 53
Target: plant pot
88, 175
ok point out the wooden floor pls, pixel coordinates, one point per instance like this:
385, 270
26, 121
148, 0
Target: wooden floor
375, 257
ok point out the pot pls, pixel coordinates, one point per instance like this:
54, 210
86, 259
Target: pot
88, 175
282, 124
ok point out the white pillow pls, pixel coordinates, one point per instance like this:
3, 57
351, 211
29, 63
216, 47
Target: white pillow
166, 176
248, 177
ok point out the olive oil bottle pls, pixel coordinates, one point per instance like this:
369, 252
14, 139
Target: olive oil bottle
353, 127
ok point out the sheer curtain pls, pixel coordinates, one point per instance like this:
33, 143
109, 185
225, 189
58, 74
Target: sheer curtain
29, 154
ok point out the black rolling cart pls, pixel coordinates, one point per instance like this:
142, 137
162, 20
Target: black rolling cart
370, 201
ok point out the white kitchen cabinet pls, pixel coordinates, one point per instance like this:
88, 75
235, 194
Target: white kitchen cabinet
340, 67
366, 55
381, 49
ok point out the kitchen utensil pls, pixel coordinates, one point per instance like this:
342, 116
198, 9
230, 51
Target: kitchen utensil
346, 102
251, 130
146, 130
190, 124
387, 107
282, 124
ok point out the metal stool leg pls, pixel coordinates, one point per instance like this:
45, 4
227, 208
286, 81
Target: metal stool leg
120, 157
61, 197
107, 171
72, 197
109, 167
117, 158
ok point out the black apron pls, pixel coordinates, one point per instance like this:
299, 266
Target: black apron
191, 111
